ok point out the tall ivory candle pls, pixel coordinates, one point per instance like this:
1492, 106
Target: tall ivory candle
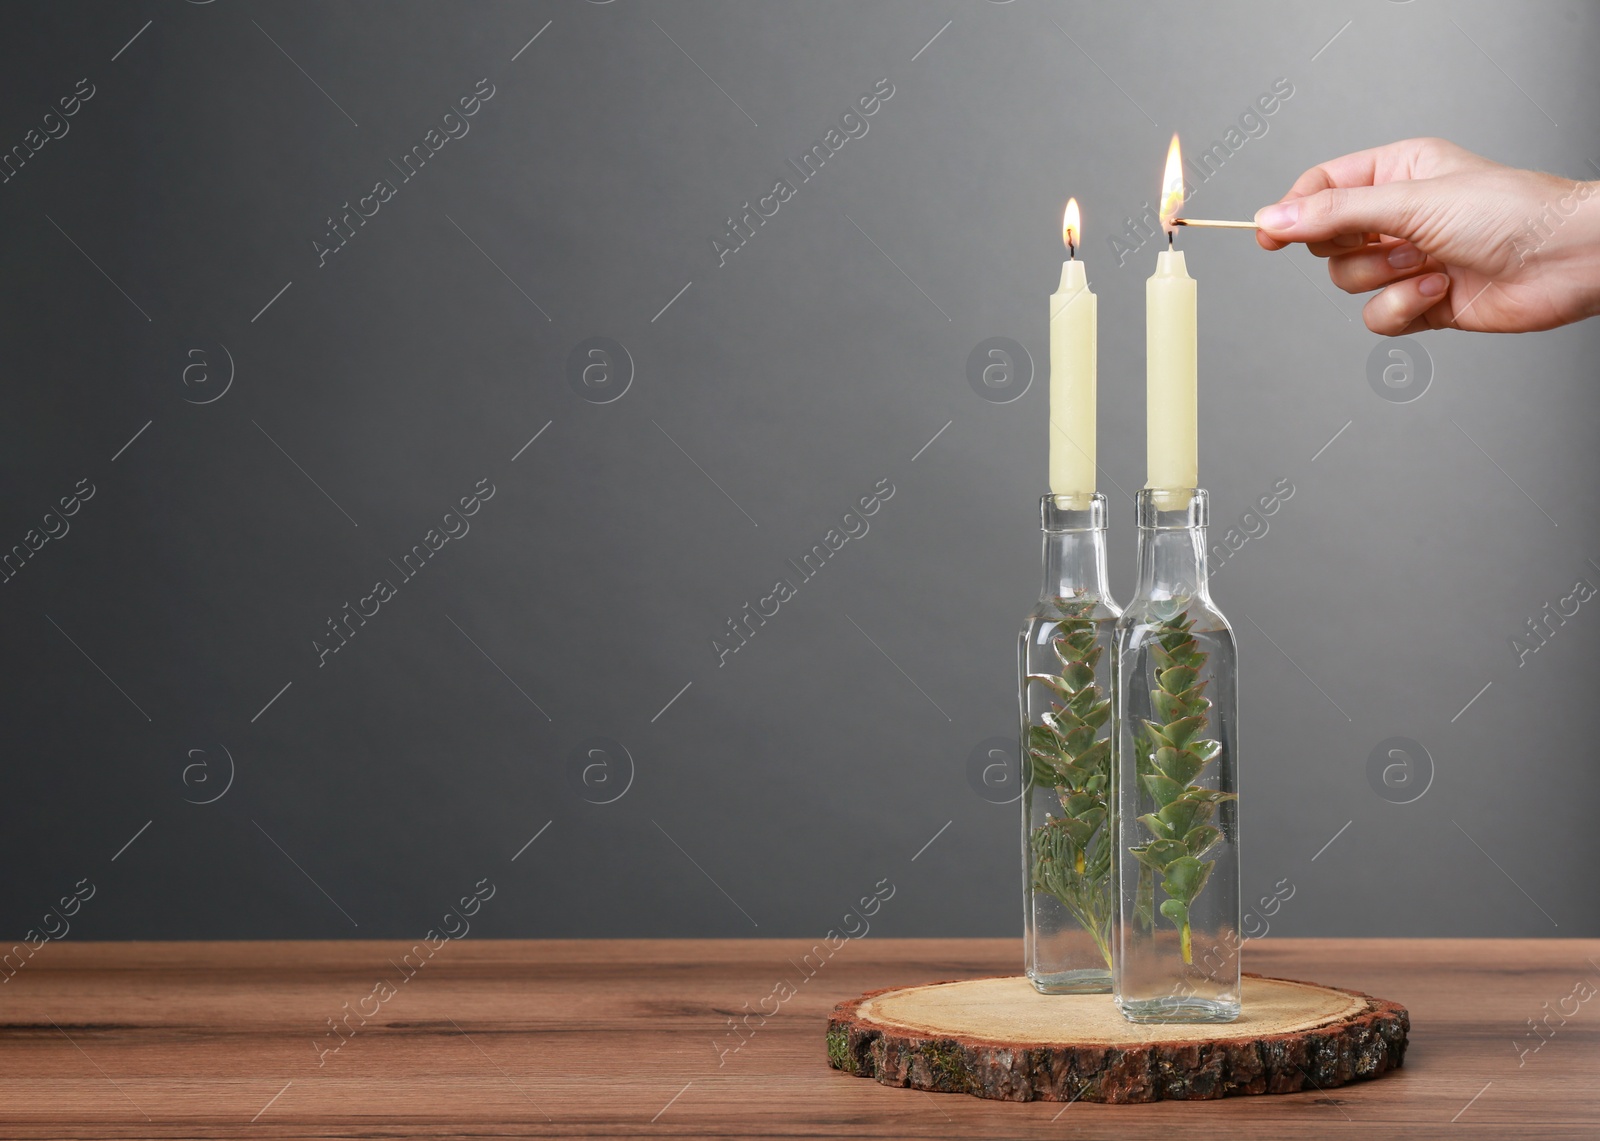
1074, 319
1170, 396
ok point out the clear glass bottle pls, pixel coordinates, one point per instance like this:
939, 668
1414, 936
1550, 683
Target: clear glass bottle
1176, 794
1064, 687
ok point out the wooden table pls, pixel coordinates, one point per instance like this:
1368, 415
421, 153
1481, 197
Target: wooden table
633, 1038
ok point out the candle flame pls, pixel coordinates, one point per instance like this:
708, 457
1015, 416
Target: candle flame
1072, 225
1172, 186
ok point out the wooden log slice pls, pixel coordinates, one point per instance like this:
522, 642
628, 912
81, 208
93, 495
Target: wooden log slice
999, 1038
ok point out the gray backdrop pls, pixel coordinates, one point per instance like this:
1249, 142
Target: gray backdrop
543, 705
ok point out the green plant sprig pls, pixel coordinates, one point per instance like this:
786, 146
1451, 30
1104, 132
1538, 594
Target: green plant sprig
1072, 851
1171, 755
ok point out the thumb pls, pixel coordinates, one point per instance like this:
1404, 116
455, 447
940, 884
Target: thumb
1391, 208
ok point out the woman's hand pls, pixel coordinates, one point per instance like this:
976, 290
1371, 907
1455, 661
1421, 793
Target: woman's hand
1451, 239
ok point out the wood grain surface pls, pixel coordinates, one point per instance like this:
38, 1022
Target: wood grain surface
635, 1038
999, 1038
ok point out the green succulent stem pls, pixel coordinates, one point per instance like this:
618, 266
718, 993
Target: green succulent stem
1069, 751
1170, 756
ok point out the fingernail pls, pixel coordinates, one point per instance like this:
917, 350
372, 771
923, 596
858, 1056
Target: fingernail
1404, 257
1281, 216
1349, 241
1432, 285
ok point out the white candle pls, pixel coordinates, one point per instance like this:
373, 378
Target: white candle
1074, 320
1170, 393
1171, 440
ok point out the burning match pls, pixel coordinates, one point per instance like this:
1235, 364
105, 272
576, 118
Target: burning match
1215, 223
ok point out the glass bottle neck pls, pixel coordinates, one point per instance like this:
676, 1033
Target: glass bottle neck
1074, 556
1172, 544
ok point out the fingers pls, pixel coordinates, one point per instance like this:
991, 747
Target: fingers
1408, 305
1376, 266
1268, 241
1391, 208
1340, 244
1358, 169
1398, 162
1393, 162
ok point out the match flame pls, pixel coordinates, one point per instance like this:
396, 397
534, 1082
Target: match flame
1072, 225
1172, 186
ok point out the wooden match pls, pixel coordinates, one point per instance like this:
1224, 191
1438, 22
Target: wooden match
1213, 222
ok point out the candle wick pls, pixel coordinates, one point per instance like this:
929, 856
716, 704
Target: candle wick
1170, 235
1072, 252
